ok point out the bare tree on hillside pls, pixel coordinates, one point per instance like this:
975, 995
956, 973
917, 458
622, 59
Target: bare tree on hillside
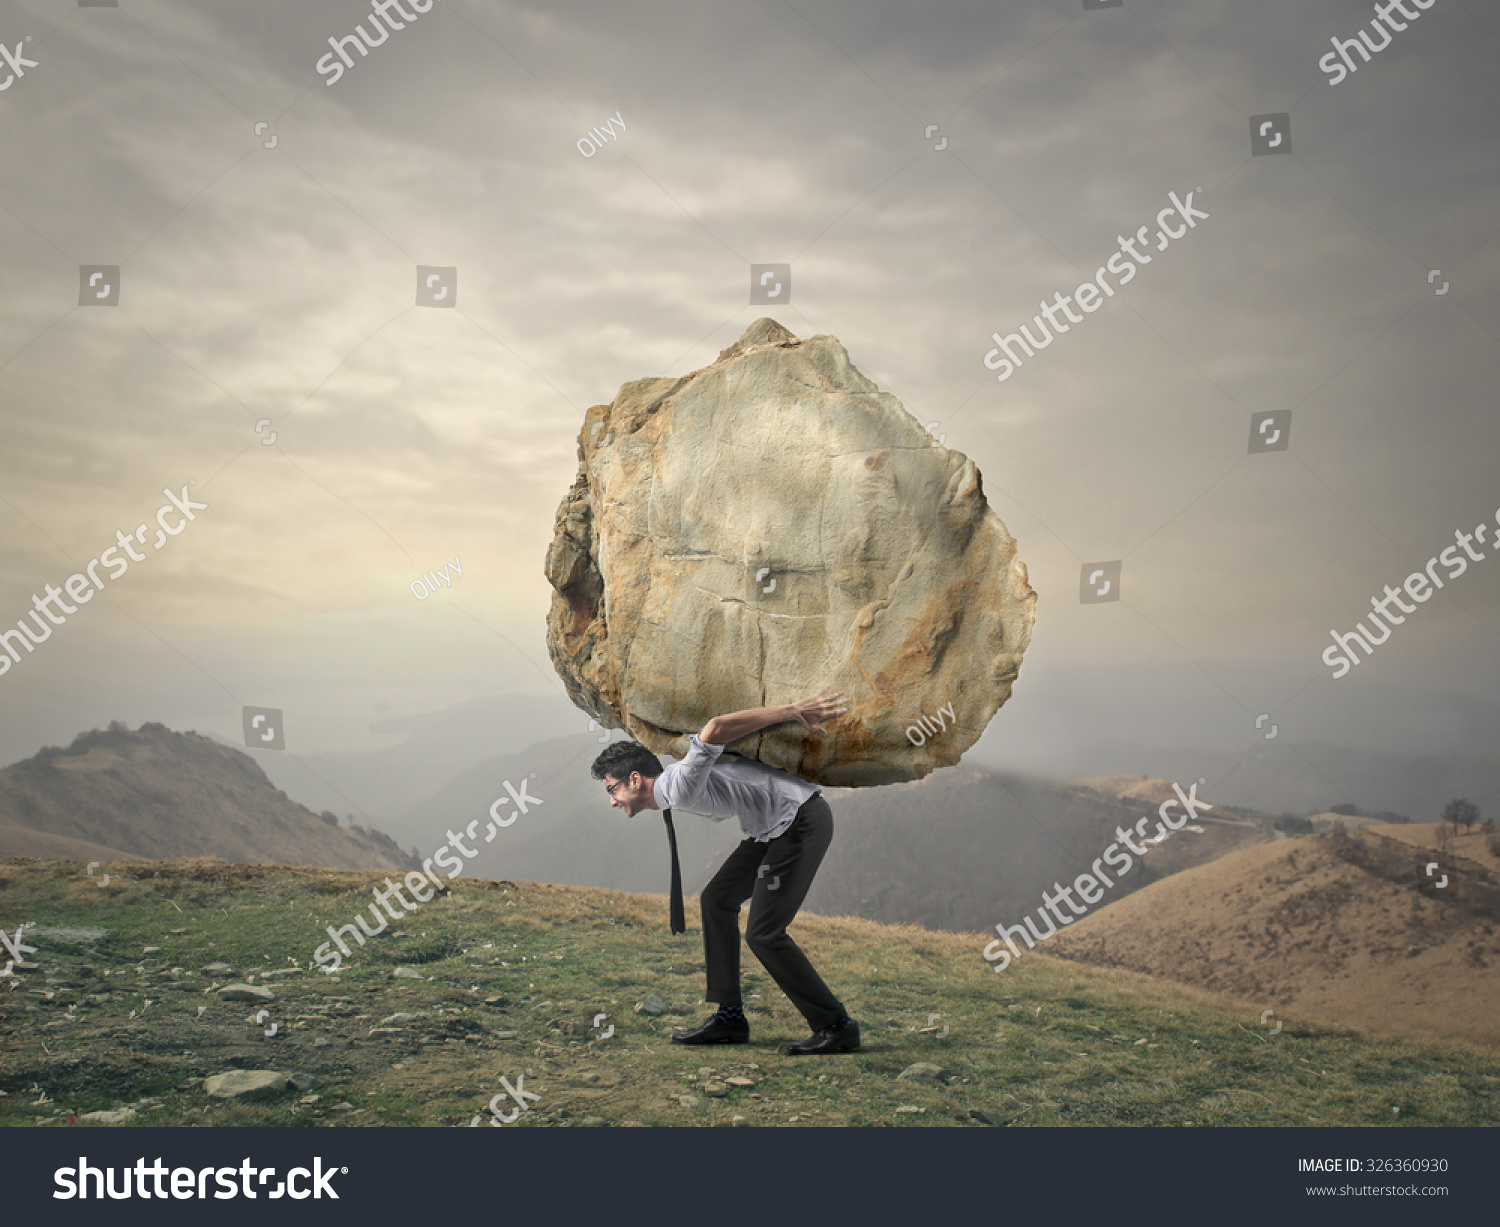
1461, 810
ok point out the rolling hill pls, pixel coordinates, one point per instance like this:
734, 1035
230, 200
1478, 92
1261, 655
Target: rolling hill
1343, 926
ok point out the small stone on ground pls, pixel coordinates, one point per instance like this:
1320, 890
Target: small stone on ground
246, 992
246, 1084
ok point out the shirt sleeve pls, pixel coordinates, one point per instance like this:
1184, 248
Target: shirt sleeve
691, 777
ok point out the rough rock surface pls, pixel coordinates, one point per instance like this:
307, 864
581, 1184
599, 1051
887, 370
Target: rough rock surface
112, 1116
769, 525
246, 992
247, 1084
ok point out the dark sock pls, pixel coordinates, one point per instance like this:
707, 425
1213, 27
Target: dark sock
731, 1013
842, 1022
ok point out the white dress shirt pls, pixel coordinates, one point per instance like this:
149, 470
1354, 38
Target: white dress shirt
764, 799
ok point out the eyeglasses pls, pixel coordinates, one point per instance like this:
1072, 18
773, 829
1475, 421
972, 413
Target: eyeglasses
610, 789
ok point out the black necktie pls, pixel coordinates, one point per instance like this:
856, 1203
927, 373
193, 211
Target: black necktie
679, 922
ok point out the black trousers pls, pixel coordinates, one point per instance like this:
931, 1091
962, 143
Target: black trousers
791, 861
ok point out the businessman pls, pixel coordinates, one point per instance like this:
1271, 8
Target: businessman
788, 827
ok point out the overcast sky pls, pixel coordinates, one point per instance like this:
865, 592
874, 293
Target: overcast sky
281, 284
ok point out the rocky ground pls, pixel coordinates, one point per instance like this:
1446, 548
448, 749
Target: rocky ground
186, 996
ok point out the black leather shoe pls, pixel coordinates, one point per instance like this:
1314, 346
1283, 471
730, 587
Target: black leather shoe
715, 1031
829, 1039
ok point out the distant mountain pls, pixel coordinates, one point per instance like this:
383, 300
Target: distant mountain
17, 840
385, 783
1283, 775
1304, 777
965, 849
156, 794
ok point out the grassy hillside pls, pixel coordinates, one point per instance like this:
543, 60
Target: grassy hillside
512, 977
1344, 925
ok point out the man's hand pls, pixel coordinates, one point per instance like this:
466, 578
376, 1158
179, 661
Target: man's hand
722, 730
812, 711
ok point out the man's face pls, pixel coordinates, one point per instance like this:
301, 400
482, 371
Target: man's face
628, 794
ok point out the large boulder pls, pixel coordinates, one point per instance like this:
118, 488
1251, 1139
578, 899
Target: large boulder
769, 525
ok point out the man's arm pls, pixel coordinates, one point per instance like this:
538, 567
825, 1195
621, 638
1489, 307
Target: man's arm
810, 712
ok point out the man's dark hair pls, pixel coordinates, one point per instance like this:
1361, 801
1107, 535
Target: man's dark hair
622, 757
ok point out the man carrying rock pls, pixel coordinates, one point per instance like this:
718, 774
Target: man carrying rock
788, 826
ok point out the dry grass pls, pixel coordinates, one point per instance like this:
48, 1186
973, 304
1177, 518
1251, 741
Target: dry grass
515, 974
